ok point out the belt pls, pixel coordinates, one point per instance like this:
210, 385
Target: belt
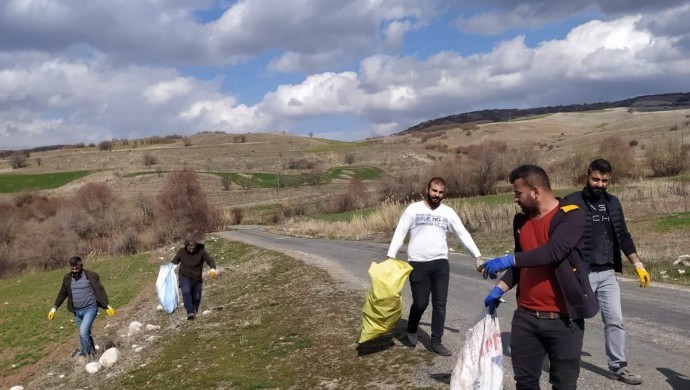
543, 315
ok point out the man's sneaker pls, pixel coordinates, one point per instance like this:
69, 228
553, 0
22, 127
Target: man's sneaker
440, 349
190, 316
74, 353
412, 338
624, 375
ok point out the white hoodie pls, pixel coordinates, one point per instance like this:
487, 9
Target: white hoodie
428, 230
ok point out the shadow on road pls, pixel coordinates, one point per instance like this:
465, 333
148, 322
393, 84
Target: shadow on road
676, 380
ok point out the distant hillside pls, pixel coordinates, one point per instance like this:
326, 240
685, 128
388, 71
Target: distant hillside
670, 101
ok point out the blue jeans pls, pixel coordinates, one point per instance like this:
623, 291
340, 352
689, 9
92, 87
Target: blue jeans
429, 278
608, 293
533, 338
85, 317
191, 294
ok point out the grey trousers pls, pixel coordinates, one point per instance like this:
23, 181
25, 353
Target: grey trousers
608, 293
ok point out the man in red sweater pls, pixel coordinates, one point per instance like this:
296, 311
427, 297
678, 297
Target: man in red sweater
553, 291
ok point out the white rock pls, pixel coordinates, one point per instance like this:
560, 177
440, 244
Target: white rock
92, 367
135, 327
206, 312
62, 376
138, 349
159, 308
152, 338
109, 357
152, 327
17, 388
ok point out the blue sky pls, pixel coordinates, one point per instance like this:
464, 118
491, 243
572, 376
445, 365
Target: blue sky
74, 71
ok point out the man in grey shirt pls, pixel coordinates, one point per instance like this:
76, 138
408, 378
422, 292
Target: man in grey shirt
85, 294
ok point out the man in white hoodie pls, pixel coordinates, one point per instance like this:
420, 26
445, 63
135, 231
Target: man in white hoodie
429, 222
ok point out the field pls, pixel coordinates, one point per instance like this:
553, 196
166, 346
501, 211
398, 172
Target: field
299, 186
265, 327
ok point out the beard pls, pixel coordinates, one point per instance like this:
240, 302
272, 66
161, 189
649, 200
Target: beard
433, 201
77, 275
595, 192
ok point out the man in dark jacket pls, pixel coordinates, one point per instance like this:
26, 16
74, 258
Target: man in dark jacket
85, 294
191, 259
553, 292
605, 236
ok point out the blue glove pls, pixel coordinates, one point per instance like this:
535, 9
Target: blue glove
492, 300
492, 267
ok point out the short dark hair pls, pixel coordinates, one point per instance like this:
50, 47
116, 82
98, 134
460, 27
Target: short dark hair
190, 240
75, 261
600, 165
436, 180
532, 175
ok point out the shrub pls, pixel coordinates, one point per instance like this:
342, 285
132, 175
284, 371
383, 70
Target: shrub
237, 215
18, 160
105, 146
633, 143
149, 159
301, 163
129, 242
405, 188
621, 158
94, 198
10, 224
187, 142
239, 139
667, 158
353, 199
349, 158
183, 204
226, 182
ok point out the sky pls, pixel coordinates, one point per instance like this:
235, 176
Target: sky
76, 71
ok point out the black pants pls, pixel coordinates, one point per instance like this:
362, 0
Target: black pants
532, 338
429, 277
191, 294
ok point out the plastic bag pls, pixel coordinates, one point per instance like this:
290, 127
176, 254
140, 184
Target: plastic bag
383, 305
166, 287
480, 363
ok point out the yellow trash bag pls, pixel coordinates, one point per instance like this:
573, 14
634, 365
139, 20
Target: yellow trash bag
383, 306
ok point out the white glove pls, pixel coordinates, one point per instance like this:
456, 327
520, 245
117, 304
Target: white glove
478, 262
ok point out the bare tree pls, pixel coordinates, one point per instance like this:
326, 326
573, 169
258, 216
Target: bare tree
18, 160
150, 159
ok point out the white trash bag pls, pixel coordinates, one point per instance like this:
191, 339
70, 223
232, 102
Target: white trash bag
480, 363
166, 287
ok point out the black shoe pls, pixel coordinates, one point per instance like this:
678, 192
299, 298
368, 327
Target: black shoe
74, 353
440, 349
190, 317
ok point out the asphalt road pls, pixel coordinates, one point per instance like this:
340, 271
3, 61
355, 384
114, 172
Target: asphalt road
657, 318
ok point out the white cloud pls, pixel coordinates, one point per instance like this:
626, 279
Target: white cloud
506, 15
72, 75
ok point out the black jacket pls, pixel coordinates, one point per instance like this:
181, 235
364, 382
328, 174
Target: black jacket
191, 264
563, 252
66, 291
622, 240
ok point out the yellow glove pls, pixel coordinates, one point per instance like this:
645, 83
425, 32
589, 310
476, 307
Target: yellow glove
645, 279
51, 314
110, 311
212, 273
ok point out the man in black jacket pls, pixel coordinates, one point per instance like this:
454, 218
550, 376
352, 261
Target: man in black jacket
605, 236
191, 259
85, 294
553, 292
